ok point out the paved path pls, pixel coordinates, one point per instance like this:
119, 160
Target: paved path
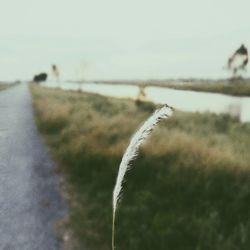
30, 201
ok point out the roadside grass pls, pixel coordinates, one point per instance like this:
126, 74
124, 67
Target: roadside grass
236, 87
189, 189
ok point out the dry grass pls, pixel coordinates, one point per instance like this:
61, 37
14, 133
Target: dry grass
189, 188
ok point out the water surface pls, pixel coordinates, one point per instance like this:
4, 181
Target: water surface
184, 100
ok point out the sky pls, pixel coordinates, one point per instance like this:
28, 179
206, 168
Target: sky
121, 39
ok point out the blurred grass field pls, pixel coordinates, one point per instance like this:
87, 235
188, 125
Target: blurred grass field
238, 87
189, 189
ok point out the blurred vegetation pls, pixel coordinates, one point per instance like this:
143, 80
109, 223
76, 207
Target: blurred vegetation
235, 87
4, 86
188, 190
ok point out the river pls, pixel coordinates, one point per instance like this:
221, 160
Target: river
185, 100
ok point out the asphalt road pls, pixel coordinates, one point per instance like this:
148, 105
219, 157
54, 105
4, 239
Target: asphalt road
30, 200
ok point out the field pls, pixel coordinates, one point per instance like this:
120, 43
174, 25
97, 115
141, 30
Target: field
189, 189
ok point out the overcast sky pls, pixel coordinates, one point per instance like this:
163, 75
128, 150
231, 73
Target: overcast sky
121, 39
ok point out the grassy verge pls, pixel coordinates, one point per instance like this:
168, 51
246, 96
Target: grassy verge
188, 190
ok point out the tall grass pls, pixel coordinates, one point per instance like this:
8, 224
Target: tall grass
187, 191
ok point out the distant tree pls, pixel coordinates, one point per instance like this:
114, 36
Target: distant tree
238, 61
40, 78
80, 72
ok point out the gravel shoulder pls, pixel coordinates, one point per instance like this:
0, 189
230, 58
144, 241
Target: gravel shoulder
30, 199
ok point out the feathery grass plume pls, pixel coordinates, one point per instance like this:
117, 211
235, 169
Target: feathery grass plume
130, 154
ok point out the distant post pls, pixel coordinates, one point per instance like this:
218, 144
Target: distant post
55, 72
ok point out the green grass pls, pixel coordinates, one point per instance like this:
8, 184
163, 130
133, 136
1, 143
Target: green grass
189, 189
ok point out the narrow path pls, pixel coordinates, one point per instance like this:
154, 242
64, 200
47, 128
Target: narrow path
30, 200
